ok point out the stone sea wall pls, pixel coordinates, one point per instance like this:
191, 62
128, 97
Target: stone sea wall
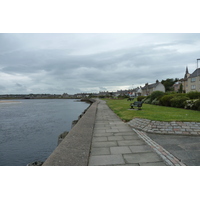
74, 122
74, 149
62, 136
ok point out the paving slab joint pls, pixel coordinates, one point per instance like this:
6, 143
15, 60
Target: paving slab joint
167, 157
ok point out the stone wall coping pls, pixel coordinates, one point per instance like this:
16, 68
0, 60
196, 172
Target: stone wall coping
74, 150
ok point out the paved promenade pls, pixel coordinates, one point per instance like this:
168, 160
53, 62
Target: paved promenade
115, 143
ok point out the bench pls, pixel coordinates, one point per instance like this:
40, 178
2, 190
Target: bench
136, 104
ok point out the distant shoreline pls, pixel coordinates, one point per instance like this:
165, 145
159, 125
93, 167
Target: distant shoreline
8, 101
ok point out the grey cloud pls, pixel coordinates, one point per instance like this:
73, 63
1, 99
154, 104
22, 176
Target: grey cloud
8, 43
2, 87
80, 62
18, 85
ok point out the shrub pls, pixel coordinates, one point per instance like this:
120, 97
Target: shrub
178, 101
189, 104
193, 95
197, 105
165, 100
122, 97
156, 95
140, 98
147, 100
155, 102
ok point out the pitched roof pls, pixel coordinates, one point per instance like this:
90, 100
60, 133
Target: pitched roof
150, 86
195, 73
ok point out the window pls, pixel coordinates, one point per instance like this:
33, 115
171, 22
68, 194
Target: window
193, 87
193, 79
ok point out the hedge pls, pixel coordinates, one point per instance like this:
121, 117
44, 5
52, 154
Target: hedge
165, 100
156, 95
197, 105
189, 100
193, 95
140, 98
178, 101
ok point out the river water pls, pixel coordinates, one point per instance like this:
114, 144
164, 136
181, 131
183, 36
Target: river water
29, 129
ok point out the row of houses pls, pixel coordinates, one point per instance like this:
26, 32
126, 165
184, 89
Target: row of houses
144, 91
139, 91
190, 82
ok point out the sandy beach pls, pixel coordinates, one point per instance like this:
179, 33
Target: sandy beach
8, 101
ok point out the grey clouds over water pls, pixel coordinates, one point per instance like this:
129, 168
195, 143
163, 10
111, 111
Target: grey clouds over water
86, 62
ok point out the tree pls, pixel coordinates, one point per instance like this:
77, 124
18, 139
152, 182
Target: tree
168, 83
181, 88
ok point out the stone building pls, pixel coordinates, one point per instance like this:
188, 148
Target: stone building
149, 88
184, 81
193, 81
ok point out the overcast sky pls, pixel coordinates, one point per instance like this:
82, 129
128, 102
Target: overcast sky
81, 62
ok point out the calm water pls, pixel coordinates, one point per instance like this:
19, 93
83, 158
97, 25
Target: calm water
29, 129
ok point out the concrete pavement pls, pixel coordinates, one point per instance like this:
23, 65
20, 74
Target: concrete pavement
179, 138
185, 148
115, 143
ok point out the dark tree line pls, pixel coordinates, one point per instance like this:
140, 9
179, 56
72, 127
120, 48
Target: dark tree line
168, 83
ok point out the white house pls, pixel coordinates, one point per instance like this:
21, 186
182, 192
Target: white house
149, 88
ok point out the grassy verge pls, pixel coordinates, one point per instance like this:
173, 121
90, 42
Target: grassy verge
152, 112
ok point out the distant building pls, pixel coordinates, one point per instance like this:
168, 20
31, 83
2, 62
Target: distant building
184, 81
193, 81
65, 95
82, 95
149, 88
177, 86
190, 82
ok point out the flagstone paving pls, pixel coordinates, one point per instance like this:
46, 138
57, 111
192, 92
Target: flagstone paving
185, 148
116, 143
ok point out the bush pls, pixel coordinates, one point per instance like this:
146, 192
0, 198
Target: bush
197, 105
147, 100
122, 97
178, 101
193, 104
140, 98
189, 104
193, 95
165, 100
155, 102
156, 95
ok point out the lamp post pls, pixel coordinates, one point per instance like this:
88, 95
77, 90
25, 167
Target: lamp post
197, 69
197, 62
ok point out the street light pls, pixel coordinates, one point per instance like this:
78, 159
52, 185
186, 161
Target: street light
197, 67
197, 62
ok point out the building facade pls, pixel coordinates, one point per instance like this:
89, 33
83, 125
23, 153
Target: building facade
184, 81
193, 81
148, 89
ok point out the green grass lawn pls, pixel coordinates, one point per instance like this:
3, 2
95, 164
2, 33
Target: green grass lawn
152, 112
